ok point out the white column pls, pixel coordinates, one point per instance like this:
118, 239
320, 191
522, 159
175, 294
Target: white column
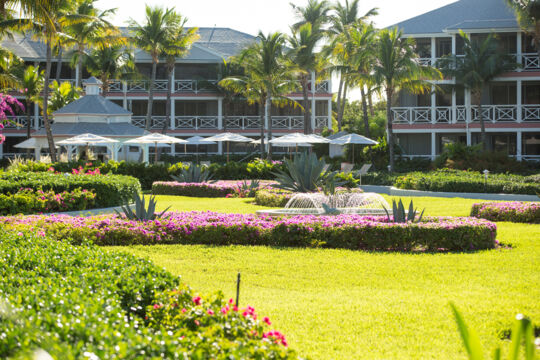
519, 111
146, 153
36, 116
125, 102
468, 109
330, 113
433, 146
220, 114
173, 114
37, 153
469, 137
454, 48
77, 73
313, 104
266, 117
220, 148
433, 50
518, 49
173, 149
433, 105
454, 107
518, 145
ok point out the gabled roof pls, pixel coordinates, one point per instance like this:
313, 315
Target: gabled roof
214, 45
462, 14
92, 105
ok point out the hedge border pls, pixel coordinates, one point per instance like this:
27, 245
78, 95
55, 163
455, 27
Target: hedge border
513, 211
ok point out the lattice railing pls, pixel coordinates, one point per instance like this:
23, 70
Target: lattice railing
531, 113
196, 122
18, 122
530, 62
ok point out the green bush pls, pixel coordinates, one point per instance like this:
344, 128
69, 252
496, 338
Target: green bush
467, 181
272, 197
110, 190
28, 201
78, 302
514, 211
211, 190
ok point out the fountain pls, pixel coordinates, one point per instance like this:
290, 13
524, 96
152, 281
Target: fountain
339, 203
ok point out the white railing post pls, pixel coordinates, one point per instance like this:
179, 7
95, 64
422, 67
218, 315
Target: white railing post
433, 145
433, 51
172, 116
518, 145
519, 58
36, 116
330, 114
220, 114
173, 90
519, 110
453, 115
313, 104
468, 107
454, 49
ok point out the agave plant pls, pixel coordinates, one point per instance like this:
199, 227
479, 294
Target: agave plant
399, 215
193, 174
249, 189
305, 173
142, 213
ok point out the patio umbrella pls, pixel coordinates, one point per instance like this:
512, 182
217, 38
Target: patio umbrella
228, 137
29, 144
156, 138
353, 139
198, 140
297, 139
87, 140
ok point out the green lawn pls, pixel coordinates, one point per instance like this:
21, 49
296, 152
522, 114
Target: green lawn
339, 304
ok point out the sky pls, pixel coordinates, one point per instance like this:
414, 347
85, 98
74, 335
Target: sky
251, 16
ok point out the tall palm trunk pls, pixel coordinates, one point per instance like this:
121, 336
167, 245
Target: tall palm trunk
225, 104
168, 103
59, 64
268, 115
78, 68
338, 103
28, 122
365, 111
341, 110
151, 95
104, 84
389, 128
483, 139
306, 105
370, 102
261, 114
46, 122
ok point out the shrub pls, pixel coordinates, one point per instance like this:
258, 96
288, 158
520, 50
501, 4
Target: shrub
272, 197
110, 190
27, 201
342, 231
467, 181
526, 212
82, 302
218, 189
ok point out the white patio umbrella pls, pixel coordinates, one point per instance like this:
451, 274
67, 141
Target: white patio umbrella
198, 140
228, 137
297, 139
156, 138
87, 139
30, 144
353, 139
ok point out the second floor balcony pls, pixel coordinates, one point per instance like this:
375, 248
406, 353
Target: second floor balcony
528, 61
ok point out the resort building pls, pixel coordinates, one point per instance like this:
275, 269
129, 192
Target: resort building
197, 106
511, 105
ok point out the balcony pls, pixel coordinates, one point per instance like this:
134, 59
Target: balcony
459, 114
528, 61
20, 122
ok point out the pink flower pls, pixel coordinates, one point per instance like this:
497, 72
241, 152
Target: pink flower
157, 306
266, 319
184, 310
19, 234
197, 300
210, 312
197, 322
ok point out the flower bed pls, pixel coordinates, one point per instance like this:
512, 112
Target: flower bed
217, 189
27, 201
272, 197
341, 231
526, 212
81, 302
110, 190
468, 181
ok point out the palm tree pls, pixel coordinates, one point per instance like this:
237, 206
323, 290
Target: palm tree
356, 46
303, 55
229, 69
31, 82
268, 77
177, 45
397, 68
344, 16
528, 15
314, 13
110, 62
95, 31
152, 36
481, 63
61, 95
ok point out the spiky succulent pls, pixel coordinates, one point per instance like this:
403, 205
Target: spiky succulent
305, 173
399, 215
194, 174
142, 213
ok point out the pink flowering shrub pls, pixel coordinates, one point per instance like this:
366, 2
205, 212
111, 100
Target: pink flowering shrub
8, 106
82, 171
341, 231
27, 201
515, 211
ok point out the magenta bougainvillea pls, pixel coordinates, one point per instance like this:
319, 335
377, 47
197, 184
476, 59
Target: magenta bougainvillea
8, 106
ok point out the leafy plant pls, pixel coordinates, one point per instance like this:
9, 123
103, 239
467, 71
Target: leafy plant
305, 173
249, 189
399, 215
521, 333
193, 174
142, 213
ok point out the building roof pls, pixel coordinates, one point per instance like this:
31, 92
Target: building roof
462, 14
101, 129
214, 45
92, 105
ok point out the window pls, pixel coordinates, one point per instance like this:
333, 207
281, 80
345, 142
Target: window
503, 94
444, 46
423, 47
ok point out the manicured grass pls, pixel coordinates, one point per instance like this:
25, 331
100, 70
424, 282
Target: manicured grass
339, 304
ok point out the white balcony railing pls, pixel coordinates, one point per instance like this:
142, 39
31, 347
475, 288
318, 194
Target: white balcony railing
446, 114
196, 122
18, 122
530, 62
321, 122
158, 122
243, 122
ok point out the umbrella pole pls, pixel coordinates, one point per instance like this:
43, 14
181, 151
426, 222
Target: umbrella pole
227, 151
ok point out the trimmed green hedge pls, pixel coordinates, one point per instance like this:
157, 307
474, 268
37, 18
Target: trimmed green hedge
219, 189
468, 181
110, 190
80, 302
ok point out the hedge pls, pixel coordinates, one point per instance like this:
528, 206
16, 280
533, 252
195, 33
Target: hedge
78, 302
341, 231
525, 212
28, 201
468, 181
110, 190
